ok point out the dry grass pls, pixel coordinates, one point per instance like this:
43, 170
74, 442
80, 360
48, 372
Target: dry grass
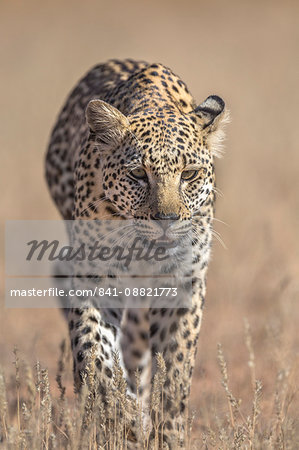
246, 52
39, 419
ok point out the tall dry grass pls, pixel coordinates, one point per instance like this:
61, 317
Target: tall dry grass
33, 416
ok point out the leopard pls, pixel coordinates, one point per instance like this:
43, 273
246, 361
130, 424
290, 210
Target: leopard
132, 143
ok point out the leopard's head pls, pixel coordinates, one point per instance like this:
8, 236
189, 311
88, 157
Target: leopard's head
159, 163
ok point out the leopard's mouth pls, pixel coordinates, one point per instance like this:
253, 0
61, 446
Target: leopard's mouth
161, 241
165, 242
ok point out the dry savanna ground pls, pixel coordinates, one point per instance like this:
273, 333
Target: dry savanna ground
247, 52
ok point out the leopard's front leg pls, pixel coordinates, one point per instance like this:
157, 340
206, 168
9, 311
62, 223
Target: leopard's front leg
95, 342
89, 330
174, 334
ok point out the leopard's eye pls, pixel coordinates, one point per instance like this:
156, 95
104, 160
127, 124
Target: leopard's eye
138, 174
189, 175
192, 174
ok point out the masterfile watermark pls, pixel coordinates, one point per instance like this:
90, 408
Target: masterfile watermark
53, 251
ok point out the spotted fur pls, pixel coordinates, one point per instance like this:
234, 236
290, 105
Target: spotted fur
123, 116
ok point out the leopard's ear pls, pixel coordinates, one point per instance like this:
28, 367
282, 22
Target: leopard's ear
209, 112
212, 116
107, 122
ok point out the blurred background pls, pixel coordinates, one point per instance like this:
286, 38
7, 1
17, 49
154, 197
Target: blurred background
244, 51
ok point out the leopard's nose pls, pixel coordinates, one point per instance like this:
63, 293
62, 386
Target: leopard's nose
165, 220
162, 216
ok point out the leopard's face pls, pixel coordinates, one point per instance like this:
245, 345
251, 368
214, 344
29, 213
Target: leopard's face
162, 170
156, 164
